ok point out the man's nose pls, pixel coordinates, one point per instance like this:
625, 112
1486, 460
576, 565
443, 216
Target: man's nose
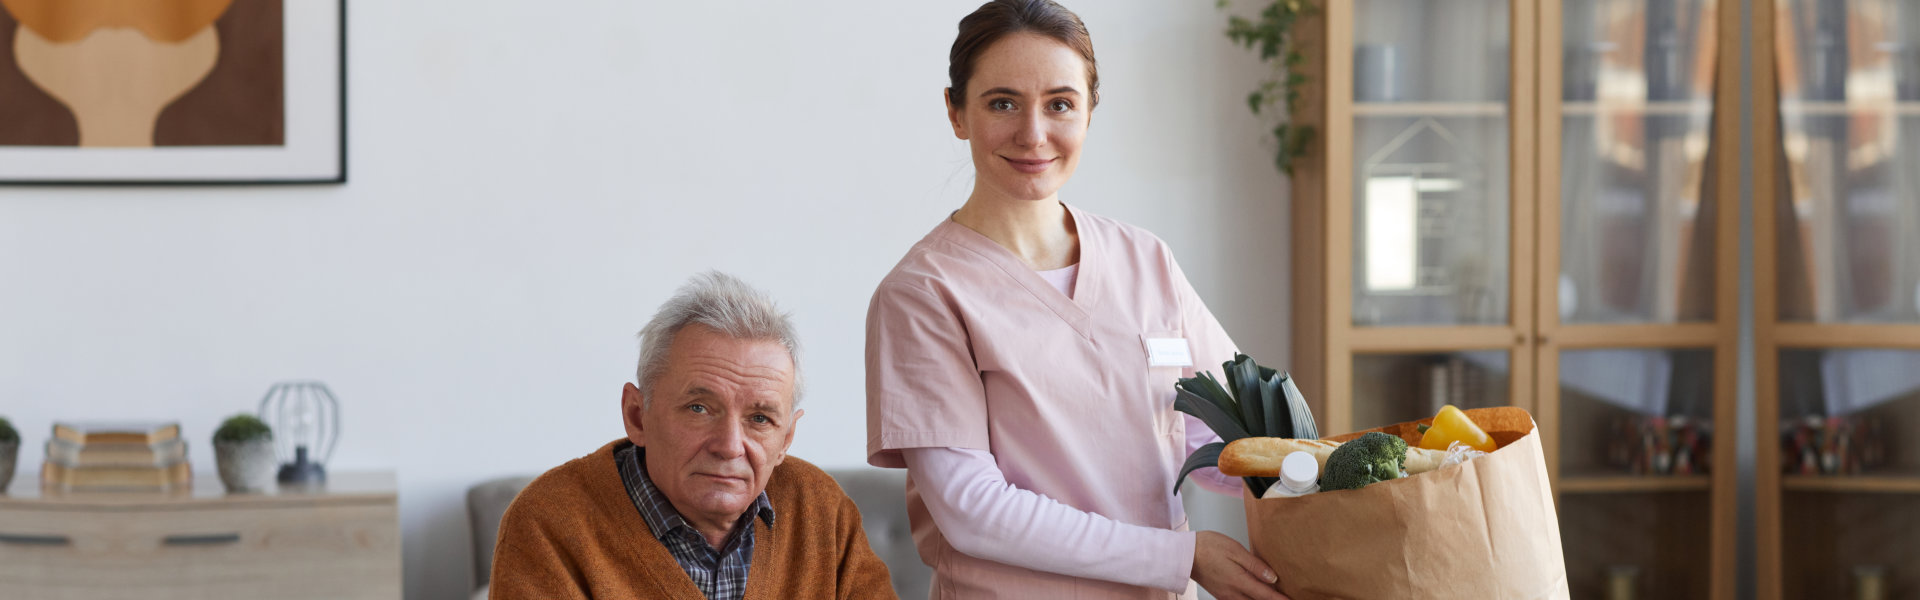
729, 442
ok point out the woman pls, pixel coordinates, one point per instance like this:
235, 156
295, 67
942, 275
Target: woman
1021, 358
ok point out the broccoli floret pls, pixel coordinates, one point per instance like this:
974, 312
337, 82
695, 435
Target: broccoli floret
1372, 458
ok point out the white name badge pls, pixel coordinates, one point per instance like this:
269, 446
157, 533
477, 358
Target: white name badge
1169, 352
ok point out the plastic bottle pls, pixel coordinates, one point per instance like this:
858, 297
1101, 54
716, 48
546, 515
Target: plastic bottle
1299, 476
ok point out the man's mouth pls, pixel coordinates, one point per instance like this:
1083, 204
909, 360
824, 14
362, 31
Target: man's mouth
723, 478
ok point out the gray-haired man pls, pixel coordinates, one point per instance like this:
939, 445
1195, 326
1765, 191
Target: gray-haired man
700, 500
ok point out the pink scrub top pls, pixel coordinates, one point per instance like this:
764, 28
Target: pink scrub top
968, 347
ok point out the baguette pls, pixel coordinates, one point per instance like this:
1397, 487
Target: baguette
1261, 456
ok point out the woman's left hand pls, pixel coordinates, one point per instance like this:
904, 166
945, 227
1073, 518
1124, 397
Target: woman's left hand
1228, 571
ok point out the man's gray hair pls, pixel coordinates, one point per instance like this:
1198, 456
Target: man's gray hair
726, 304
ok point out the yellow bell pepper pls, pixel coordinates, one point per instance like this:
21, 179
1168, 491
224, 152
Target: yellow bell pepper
1452, 425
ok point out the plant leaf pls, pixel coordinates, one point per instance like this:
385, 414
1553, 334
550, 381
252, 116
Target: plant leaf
1303, 426
1203, 457
1279, 418
1205, 386
1246, 387
1259, 485
1225, 424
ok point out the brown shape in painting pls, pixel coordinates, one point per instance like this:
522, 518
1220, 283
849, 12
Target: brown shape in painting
116, 63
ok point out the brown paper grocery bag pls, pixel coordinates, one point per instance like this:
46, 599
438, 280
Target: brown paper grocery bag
1483, 529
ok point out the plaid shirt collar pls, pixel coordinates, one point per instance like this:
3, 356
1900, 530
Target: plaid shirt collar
720, 574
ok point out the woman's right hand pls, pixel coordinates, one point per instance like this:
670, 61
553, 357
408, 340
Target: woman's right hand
1230, 572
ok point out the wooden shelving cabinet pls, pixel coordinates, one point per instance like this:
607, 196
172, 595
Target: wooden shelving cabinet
1534, 203
1837, 298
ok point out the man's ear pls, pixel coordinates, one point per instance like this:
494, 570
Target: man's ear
632, 407
953, 113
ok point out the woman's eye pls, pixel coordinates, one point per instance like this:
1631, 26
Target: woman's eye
1001, 104
1060, 106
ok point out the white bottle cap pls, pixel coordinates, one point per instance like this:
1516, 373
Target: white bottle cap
1299, 471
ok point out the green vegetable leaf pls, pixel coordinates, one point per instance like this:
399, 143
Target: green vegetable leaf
1279, 416
1205, 456
1217, 417
1246, 387
1304, 427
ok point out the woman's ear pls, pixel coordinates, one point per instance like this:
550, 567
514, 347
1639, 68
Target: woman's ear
953, 113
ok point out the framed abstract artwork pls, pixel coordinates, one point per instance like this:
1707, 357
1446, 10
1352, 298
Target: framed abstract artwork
172, 91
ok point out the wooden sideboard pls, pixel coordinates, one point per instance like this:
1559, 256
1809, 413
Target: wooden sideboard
339, 542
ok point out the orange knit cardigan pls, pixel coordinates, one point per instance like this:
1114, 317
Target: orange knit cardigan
574, 533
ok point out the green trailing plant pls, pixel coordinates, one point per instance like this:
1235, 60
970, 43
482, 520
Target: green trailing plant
1271, 34
7, 433
242, 428
1255, 402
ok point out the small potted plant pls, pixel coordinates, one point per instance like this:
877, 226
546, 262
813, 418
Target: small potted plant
243, 453
9, 452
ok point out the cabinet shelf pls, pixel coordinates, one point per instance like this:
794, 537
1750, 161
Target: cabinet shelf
1903, 483
1793, 108
1700, 108
1429, 109
1624, 484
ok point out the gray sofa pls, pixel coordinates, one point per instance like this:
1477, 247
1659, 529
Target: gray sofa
880, 494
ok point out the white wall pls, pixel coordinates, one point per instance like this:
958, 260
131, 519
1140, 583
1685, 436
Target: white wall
529, 180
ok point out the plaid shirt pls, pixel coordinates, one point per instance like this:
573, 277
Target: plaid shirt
720, 574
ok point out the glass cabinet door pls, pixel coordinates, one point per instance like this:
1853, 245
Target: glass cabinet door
1841, 478
1635, 369
1850, 471
1636, 453
1848, 216
1431, 163
1395, 388
1637, 217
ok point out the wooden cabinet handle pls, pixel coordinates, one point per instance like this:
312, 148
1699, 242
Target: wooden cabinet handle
200, 539
34, 540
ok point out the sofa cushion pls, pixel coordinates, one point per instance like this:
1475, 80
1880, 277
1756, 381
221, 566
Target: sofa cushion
486, 503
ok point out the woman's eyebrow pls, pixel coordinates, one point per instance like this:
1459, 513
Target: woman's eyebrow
1015, 93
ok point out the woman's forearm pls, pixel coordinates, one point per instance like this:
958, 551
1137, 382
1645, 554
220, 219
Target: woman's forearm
984, 516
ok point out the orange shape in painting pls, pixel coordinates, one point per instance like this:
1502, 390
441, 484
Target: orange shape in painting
116, 80
63, 21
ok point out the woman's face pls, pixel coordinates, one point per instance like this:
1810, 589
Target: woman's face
1025, 114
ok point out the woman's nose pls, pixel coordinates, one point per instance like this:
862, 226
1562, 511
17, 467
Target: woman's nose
1033, 131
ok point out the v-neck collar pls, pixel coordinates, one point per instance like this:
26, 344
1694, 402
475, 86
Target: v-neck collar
1076, 310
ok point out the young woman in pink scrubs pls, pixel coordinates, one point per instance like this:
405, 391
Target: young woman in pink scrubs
1021, 358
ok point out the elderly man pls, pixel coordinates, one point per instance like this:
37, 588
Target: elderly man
700, 500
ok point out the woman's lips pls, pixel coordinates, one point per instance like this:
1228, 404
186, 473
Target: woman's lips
1029, 166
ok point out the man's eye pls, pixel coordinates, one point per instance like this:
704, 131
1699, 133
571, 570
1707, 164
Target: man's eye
762, 419
698, 408
1001, 104
1060, 106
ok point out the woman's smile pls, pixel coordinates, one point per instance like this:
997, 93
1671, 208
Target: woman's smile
1030, 166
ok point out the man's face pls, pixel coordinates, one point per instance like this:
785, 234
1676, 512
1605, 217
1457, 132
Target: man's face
720, 419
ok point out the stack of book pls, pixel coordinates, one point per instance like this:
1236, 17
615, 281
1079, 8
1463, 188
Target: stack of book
117, 457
